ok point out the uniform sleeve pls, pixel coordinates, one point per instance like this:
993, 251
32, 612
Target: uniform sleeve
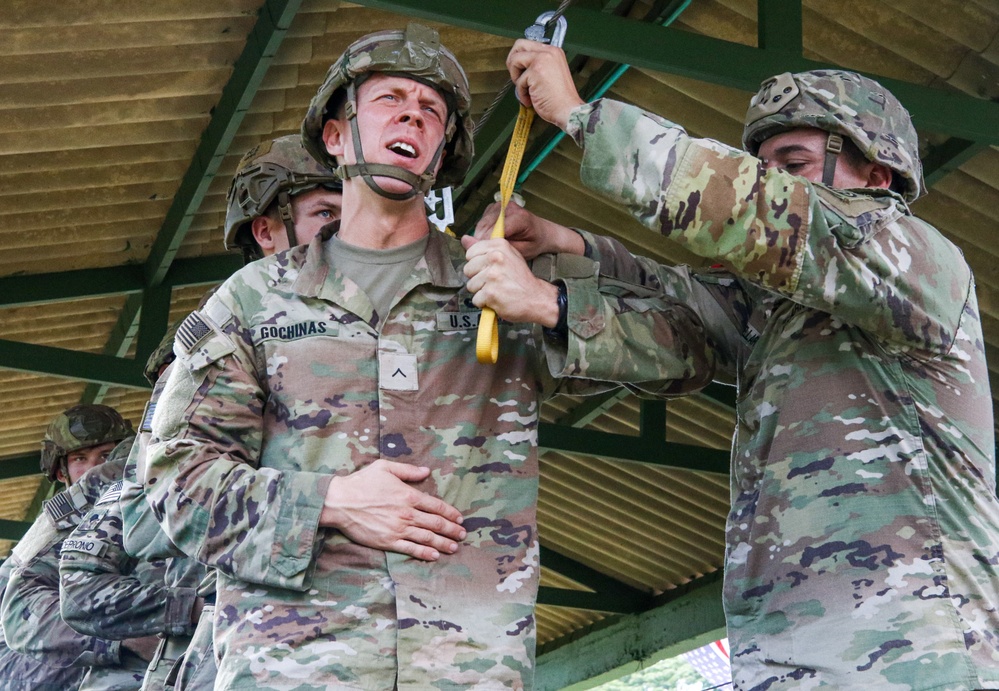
33, 625
860, 257
106, 592
620, 331
203, 476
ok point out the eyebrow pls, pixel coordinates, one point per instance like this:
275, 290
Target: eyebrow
791, 149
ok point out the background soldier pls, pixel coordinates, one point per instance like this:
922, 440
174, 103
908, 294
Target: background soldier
128, 578
308, 371
76, 446
862, 542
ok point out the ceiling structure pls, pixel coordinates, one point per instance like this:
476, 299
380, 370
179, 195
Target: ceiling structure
122, 123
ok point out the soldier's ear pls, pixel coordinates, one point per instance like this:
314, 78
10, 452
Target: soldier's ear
61, 475
263, 232
336, 134
879, 176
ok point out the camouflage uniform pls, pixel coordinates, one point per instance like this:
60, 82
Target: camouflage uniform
20, 672
287, 378
862, 541
30, 613
106, 591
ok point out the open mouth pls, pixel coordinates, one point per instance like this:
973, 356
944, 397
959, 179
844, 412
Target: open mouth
402, 149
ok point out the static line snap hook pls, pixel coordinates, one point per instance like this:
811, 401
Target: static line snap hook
538, 31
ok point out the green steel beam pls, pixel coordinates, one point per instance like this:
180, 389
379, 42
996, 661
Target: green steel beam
622, 447
696, 56
91, 283
262, 45
949, 156
13, 530
610, 594
72, 364
779, 25
153, 324
122, 335
69, 285
19, 466
688, 618
593, 407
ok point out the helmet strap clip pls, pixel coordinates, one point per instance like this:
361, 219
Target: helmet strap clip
834, 145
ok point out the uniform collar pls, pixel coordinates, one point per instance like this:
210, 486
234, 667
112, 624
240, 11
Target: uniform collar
440, 266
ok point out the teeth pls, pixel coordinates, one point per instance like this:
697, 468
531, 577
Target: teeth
403, 148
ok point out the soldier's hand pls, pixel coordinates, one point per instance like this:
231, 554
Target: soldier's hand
543, 80
144, 647
529, 234
375, 507
499, 278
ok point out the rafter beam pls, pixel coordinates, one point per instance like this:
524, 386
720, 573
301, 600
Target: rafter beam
779, 25
696, 56
609, 595
262, 45
72, 364
687, 618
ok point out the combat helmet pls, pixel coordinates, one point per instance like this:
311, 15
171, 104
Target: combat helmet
271, 171
80, 427
415, 53
845, 104
162, 355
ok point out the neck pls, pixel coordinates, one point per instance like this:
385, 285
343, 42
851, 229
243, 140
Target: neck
372, 221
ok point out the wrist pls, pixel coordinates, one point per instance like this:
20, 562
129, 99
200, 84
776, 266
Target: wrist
560, 327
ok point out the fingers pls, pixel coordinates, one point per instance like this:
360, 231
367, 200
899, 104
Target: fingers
484, 228
404, 471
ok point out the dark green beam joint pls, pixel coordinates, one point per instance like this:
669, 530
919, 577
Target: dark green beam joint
71, 364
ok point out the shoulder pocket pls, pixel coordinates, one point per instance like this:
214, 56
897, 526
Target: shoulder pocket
854, 218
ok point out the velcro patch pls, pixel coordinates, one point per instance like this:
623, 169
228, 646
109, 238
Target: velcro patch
397, 371
147, 417
458, 321
110, 495
193, 331
94, 547
295, 330
59, 506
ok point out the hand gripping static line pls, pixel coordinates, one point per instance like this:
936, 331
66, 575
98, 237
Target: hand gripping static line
487, 338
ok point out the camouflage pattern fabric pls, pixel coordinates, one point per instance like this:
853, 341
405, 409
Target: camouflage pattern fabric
30, 613
283, 380
862, 541
198, 669
20, 672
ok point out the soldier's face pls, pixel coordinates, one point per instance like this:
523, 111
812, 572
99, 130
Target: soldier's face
311, 210
80, 461
802, 152
401, 123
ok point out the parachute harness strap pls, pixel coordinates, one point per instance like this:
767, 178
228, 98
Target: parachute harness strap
487, 338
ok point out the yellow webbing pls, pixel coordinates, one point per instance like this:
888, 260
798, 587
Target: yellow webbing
487, 339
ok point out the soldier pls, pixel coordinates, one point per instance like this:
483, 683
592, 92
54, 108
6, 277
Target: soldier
76, 446
125, 577
862, 541
280, 197
327, 439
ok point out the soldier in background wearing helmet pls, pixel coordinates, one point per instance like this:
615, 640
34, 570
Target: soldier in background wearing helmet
327, 440
863, 537
125, 577
280, 197
84, 447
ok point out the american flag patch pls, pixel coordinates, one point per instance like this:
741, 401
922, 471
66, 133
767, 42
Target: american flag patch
110, 495
192, 331
59, 506
147, 417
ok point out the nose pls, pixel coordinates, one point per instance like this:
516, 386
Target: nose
412, 114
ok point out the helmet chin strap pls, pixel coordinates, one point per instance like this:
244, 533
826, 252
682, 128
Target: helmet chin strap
834, 145
285, 211
419, 184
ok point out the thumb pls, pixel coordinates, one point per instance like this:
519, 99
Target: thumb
468, 240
